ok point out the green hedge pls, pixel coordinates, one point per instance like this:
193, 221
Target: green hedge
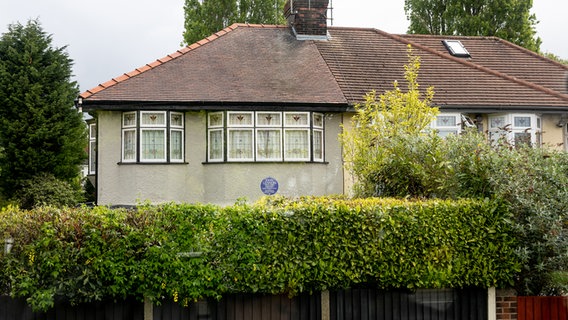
273, 246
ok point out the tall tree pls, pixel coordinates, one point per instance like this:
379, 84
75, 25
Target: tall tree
205, 17
40, 130
507, 19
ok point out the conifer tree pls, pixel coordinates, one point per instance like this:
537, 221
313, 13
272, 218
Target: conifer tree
40, 130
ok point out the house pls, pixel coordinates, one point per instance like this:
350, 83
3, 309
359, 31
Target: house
257, 109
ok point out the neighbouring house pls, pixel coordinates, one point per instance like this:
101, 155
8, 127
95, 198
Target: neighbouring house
257, 109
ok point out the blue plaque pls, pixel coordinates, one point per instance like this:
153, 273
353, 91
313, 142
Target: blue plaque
269, 186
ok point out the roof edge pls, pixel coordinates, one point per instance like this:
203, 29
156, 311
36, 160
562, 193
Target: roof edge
114, 81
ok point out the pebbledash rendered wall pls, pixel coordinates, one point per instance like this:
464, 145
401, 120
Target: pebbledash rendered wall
198, 181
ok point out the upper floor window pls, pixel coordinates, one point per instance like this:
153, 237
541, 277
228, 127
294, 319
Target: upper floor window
265, 136
152, 136
516, 129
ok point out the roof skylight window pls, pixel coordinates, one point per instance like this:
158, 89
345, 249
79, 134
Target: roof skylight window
456, 48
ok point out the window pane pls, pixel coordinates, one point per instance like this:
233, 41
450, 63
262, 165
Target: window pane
446, 121
240, 119
129, 119
268, 145
445, 133
216, 145
497, 122
215, 119
297, 146
268, 119
92, 131
318, 120
153, 118
522, 139
297, 119
318, 145
240, 145
92, 156
129, 145
522, 122
176, 119
176, 145
153, 145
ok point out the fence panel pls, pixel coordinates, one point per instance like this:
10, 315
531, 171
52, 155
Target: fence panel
373, 304
17, 309
244, 307
542, 308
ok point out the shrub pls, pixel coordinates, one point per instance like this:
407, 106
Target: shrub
45, 189
186, 252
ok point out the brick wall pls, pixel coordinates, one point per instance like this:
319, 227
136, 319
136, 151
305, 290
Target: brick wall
506, 304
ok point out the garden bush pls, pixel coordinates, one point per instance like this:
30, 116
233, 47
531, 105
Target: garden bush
277, 245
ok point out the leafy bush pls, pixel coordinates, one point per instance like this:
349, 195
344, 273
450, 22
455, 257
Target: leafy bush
45, 189
186, 252
388, 157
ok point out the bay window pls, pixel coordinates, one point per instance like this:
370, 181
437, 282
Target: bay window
515, 129
265, 136
447, 123
152, 137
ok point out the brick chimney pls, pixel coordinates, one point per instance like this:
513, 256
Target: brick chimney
307, 18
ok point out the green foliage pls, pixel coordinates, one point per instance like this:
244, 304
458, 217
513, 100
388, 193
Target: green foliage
556, 58
508, 19
45, 189
40, 131
379, 127
203, 18
277, 245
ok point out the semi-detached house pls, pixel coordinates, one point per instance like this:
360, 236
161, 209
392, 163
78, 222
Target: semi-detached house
257, 109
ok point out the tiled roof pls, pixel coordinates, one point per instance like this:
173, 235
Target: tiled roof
266, 65
241, 64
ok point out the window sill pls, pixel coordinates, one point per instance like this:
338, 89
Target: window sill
266, 162
151, 163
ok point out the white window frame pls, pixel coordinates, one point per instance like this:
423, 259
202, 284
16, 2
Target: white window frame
92, 148
289, 127
444, 130
130, 127
156, 127
178, 129
137, 128
218, 126
311, 123
507, 128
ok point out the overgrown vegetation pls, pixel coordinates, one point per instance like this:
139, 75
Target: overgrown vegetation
40, 130
415, 162
185, 252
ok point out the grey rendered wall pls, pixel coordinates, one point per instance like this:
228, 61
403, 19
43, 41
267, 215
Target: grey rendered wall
198, 181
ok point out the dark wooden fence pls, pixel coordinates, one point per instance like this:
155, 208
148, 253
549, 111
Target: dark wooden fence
542, 308
372, 304
355, 304
17, 309
244, 307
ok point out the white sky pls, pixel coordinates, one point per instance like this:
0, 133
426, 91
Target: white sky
107, 38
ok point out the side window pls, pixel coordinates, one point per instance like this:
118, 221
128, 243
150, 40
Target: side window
92, 148
152, 137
